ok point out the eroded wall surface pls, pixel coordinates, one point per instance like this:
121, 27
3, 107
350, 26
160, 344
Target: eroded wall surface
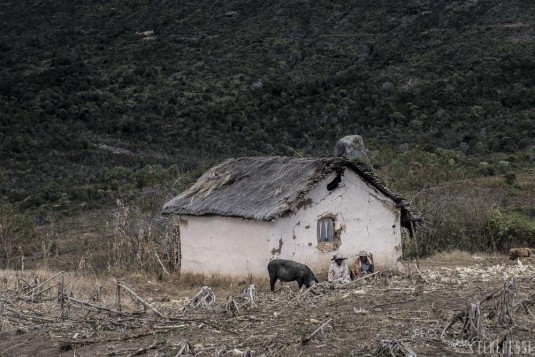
364, 218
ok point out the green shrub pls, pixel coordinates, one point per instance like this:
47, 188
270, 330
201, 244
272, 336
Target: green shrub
512, 229
467, 217
510, 178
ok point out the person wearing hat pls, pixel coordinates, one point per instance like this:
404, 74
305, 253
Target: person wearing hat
338, 270
363, 265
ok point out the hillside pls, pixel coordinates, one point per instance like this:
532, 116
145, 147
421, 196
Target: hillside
107, 100
98, 97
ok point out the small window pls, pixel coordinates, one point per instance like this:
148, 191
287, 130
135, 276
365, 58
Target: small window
325, 230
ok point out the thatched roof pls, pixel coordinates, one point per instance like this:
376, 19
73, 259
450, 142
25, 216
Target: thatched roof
264, 188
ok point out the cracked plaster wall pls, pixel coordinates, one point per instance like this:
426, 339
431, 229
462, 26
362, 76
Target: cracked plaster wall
234, 246
368, 221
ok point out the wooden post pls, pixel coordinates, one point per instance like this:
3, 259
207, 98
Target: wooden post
118, 296
61, 293
413, 236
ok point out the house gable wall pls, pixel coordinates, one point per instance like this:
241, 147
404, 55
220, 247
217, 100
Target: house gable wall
365, 219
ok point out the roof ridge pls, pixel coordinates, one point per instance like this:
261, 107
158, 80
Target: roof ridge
266, 187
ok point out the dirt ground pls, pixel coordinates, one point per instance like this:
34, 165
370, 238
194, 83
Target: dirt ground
389, 314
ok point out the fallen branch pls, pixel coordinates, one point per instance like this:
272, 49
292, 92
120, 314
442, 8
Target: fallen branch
27, 317
420, 273
185, 349
327, 284
86, 342
148, 348
138, 298
203, 298
33, 297
95, 306
401, 289
168, 327
392, 303
359, 279
309, 337
35, 290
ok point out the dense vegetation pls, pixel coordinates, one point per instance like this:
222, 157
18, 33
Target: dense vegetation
104, 99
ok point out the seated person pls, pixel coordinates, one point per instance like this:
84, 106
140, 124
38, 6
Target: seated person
338, 270
363, 265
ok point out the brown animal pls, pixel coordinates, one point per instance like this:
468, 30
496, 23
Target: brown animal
520, 253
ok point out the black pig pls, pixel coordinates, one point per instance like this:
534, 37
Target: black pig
288, 270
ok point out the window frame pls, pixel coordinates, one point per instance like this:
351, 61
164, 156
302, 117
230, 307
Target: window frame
325, 230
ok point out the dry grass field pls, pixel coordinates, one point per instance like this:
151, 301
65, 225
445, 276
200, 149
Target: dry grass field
488, 301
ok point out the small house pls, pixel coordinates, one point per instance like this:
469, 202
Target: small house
247, 211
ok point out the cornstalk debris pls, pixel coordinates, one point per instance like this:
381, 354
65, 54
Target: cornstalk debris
259, 322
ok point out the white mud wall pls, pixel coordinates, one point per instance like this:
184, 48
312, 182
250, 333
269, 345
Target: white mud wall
366, 219
224, 245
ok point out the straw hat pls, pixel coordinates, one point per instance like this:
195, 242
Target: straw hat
363, 253
338, 256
